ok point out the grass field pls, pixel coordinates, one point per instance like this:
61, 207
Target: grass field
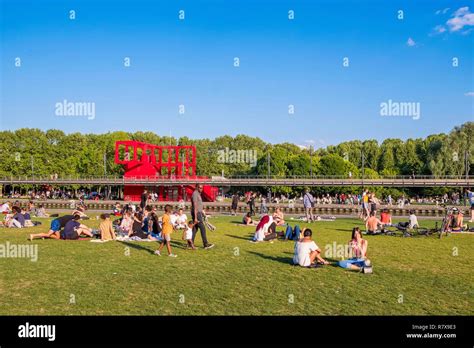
412, 276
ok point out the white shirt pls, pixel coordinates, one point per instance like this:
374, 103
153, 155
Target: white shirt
4, 208
413, 221
189, 233
302, 251
182, 219
173, 219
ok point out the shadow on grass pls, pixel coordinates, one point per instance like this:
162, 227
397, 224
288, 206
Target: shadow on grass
139, 246
249, 237
282, 259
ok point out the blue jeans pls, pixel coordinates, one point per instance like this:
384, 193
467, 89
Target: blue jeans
354, 261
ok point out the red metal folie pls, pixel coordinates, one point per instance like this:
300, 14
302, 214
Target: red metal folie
148, 161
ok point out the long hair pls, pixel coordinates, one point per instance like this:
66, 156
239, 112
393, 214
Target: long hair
355, 230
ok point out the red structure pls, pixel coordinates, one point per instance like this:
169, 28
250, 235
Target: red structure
142, 160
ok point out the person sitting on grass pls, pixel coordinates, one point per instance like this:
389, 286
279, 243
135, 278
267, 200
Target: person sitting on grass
265, 230
117, 211
372, 224
5, 208
106, 229
457, 221
167, 228
74, 229
188, 236
279, 217
247, 219
307, 253
41, 212
153, 227
412, 220
182, 219
358, 251
126, 224
386, 218
16, 219
54, 230
137, 227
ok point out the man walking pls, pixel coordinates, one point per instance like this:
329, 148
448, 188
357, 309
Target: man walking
197, 214
308, 202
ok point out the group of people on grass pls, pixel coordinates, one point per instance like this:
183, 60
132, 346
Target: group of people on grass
17, 217
308, 254
136, 223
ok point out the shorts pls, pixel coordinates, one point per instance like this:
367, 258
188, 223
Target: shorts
55, 225
356, 262
166, 237
156, 235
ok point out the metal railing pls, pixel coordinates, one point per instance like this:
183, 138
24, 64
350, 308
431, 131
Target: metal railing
248, 180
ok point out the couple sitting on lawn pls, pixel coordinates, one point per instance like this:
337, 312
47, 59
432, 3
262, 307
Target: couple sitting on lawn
308, 254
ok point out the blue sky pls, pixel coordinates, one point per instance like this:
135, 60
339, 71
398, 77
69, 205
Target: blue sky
282, 62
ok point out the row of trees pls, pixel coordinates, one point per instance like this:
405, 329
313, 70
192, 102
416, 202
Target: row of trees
32, 151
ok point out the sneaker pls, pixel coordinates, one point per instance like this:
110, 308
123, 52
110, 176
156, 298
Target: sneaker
31, 238
157, 252
173, 255
209, 246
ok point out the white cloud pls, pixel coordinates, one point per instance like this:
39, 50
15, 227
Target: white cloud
439, 29
443, 11
461, 18
469, 94
411, 42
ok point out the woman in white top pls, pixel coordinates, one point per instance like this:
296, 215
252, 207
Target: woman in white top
306, 251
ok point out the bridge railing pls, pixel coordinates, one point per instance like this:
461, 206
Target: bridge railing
115, 178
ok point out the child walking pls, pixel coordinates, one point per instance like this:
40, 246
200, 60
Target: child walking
188, 235
166, 229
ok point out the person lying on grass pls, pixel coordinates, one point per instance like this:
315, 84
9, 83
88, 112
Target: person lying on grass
307, 253
74, 229
55, 228
106, 229
80, 210
166, 229
358, 251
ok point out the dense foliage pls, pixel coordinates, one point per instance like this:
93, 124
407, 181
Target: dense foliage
26, 151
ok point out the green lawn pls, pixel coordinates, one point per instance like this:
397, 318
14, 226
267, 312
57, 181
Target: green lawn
102, 279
